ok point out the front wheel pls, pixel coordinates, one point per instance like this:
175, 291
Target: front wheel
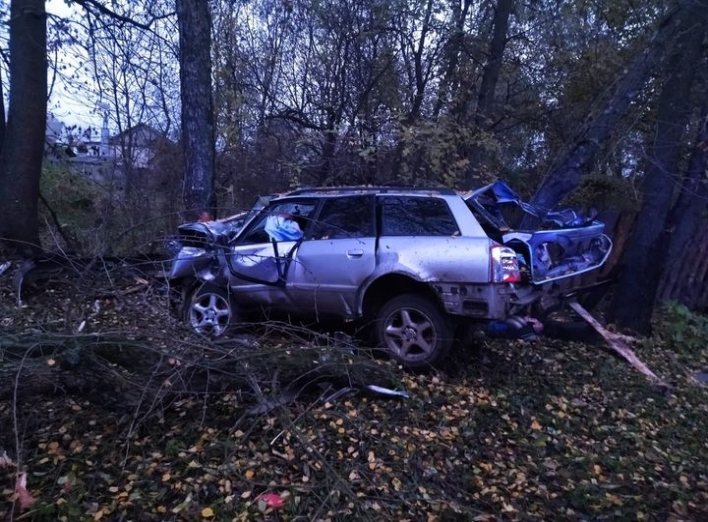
413, 331
209, 310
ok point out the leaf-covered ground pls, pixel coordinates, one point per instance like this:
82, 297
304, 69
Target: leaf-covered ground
507, 431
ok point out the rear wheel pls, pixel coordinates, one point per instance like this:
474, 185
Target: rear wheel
209, 310
413, 331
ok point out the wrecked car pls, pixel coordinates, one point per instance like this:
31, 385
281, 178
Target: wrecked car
410, 265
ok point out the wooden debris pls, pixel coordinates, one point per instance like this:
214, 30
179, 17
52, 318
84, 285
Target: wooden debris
619, 344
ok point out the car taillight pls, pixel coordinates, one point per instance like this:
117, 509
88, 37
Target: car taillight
505, 265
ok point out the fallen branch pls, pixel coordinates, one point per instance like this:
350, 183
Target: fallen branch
618, 343
129, 373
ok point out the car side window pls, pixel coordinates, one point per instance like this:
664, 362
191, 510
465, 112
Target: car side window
345, 217
280, 221
416, 216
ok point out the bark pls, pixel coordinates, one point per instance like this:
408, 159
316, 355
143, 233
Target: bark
194, 22
634, 300
488, 87
2, 113
23, 143
565, 176
686, 219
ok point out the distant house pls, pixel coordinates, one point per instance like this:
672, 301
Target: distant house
118, 161
139, 145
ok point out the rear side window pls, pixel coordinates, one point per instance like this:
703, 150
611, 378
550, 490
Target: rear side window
345, 217
416, 216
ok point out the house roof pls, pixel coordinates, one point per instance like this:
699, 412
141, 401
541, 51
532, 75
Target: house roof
141, 134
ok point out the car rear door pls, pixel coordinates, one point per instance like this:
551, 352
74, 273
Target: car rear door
420, 237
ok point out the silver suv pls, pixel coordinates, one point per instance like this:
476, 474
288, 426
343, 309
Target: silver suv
410, 264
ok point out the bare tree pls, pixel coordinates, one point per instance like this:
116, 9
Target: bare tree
23, 142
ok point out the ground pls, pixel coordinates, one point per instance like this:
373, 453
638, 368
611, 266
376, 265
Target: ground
507, 430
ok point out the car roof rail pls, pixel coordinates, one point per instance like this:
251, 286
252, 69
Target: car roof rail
374, 189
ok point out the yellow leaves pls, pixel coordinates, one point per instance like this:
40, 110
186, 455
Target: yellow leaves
614, 499
166, 477
596, 469
207, 512
486, 467
535, 425
371, 459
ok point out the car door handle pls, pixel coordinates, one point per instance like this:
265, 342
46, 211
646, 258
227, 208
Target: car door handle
355, 253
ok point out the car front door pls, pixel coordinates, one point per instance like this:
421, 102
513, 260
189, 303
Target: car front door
260, 260
336, 255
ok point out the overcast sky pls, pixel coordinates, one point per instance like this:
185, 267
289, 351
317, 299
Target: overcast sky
72, 108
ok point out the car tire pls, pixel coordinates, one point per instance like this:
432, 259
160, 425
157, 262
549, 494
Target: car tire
413, 330
565, 325
574, 331
209, 310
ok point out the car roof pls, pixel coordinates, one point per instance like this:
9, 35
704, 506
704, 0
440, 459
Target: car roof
385, 189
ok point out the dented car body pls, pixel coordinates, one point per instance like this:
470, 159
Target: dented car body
565, 244
413, 264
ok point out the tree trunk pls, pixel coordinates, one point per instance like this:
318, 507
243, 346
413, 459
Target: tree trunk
564, 176
634, 300
23, 143
453, 50
194, 22
2, 114
686, 219
488, 87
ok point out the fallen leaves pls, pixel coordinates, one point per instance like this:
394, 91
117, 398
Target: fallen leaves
542, 432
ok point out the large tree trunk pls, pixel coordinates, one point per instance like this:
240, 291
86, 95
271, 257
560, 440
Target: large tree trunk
2, 113
197, 107
565, 175
684, 224
634, 300
488, 87
23, 143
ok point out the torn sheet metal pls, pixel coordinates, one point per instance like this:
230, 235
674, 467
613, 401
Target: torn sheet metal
566, 243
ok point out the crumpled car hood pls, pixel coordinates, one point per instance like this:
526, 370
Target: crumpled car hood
564, 244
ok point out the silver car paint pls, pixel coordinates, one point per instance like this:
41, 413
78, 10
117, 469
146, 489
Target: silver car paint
331, 276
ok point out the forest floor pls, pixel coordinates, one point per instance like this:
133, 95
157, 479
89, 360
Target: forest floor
508, 430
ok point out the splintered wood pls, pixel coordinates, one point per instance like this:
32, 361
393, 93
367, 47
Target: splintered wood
618, 343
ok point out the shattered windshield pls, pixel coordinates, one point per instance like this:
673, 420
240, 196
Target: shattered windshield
281, 221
